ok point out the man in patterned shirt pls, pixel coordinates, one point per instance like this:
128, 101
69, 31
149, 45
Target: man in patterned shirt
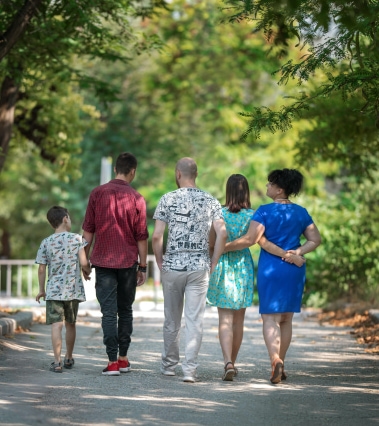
116, 215
189, 214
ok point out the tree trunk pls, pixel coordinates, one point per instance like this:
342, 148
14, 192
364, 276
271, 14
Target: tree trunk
5, 252
17, 27
8, 99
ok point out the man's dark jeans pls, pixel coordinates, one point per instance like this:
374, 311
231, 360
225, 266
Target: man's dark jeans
116, 291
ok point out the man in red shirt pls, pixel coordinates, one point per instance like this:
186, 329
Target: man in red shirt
116, 216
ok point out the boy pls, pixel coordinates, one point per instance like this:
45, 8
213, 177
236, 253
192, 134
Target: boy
62, 252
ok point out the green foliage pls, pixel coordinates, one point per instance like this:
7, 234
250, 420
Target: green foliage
337, 43
184, 100
47, 60
346, 265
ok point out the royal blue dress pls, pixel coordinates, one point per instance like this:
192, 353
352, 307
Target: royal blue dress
281, 284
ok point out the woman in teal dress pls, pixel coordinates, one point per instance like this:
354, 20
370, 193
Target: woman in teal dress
231, 283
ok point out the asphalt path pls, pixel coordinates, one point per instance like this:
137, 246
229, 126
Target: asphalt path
331, 380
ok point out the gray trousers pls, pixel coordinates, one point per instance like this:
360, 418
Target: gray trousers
188, 289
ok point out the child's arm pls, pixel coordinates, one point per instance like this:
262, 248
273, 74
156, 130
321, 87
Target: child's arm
277, 251
41, 281
86, 267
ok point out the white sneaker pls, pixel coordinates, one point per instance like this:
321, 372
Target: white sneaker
168, 372
189, 379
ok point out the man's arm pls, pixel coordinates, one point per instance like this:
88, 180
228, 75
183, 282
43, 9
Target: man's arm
41, 281
157, 241
142, 254
219, 244
252, 236
212, 240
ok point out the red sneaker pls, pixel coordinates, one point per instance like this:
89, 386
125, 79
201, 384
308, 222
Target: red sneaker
124, 366
111, 370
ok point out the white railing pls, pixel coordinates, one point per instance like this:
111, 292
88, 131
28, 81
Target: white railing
18, 277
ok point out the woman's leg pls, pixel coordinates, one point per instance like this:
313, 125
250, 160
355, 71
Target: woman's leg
285, 333
238, 323
277, 333
271, 334
225, 332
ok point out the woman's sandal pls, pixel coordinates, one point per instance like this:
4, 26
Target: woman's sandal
56, 367
68, 363
277, 371
229, 373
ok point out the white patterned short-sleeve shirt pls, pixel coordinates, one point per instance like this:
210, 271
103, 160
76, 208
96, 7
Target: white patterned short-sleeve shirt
189, 213
60, 253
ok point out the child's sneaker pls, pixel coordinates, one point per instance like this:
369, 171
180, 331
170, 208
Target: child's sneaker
124, 366
111, 370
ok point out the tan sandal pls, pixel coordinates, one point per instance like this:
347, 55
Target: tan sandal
277, 371
229, 373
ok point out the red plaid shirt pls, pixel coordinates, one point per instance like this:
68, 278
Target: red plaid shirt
116, 214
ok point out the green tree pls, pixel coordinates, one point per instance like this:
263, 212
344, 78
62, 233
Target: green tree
337, 43
43, 46
40, 46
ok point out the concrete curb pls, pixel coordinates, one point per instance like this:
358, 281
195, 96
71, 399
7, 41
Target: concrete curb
8, 325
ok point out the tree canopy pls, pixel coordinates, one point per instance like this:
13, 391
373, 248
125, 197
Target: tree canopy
42, 46
338, 59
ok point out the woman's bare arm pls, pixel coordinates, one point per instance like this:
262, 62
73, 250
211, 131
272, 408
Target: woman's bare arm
277, 251
251, 237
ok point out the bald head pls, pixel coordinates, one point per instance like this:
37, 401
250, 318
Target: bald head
187, 167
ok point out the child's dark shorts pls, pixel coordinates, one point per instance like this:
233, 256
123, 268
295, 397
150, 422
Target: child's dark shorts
59, 310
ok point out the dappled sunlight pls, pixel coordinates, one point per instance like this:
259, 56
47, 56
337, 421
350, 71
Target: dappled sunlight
350, 389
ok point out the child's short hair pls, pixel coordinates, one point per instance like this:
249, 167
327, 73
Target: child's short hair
55, 216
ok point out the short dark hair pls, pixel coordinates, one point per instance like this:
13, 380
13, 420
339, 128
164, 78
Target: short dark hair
237, 193
125, 163
55, 216
290, 180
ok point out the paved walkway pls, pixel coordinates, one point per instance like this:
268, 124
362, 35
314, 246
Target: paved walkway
332, 381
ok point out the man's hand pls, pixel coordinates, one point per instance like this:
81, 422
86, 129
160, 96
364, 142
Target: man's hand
86, 270
141, 278
213, 267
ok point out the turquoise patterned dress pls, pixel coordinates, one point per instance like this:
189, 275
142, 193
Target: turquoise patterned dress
232, 282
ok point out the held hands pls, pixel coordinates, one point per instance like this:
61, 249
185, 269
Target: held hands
39, 295
294, 258
141, 278
86, 270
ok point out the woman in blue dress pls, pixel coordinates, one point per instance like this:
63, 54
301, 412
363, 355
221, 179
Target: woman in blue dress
231, 283
280, 279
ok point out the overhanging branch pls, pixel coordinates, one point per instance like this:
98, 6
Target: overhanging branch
18, 26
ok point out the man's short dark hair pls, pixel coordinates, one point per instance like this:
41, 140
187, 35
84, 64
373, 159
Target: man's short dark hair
55, 216
125, 163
